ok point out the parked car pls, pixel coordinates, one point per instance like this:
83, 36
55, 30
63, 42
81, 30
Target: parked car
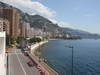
30, 63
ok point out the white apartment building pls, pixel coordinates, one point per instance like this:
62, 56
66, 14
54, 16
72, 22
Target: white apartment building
2, 54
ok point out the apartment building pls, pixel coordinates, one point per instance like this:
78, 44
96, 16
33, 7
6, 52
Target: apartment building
4, 26
2, 54
13, 16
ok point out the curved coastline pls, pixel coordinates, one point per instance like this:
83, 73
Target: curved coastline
42, 64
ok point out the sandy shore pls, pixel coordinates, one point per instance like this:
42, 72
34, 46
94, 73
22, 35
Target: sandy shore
42, 64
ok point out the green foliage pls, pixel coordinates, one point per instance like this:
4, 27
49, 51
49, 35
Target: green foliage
34, 40
7, 40
10, 40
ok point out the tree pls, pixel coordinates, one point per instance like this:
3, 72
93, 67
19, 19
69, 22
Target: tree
10, 40
34, 40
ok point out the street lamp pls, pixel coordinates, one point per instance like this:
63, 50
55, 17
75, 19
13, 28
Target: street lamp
72, 47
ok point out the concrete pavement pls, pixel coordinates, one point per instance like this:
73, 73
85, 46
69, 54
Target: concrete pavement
17, 64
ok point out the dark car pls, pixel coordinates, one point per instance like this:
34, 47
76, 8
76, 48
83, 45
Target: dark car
30, 63
26, 54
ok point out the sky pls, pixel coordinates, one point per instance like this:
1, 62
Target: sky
77, 14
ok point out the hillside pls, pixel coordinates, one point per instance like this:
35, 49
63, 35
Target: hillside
38, 21
81, 33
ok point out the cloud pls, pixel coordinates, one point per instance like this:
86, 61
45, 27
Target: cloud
64, 24
60, 23
40, 0
53, 20
31, 7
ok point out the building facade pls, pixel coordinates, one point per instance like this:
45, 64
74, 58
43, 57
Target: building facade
4, 26
3, 64
22, 29
13, 16
1, 24
27, 30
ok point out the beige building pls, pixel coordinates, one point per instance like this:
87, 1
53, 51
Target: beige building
22, 29
13, 16
27, 29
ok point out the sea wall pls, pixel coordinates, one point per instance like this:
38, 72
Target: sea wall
35, 46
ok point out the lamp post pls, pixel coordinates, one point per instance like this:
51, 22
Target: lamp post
72, 47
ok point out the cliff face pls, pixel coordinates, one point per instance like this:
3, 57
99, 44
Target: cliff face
40, 22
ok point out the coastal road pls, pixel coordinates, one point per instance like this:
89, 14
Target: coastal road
17, 64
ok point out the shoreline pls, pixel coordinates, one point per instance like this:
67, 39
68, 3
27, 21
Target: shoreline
41, 63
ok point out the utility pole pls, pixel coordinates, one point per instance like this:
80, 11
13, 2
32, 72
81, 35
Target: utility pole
72, 58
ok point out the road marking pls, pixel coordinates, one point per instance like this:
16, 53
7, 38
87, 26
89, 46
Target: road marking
27, 65
20, 63
14, 53
9, 63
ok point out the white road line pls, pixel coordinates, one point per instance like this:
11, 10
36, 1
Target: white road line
14, 53
9, 63
20, 63
27, 66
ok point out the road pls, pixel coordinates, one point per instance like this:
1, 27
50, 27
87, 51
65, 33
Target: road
17, 64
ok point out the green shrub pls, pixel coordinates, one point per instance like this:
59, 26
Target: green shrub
34, 40
10, 40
